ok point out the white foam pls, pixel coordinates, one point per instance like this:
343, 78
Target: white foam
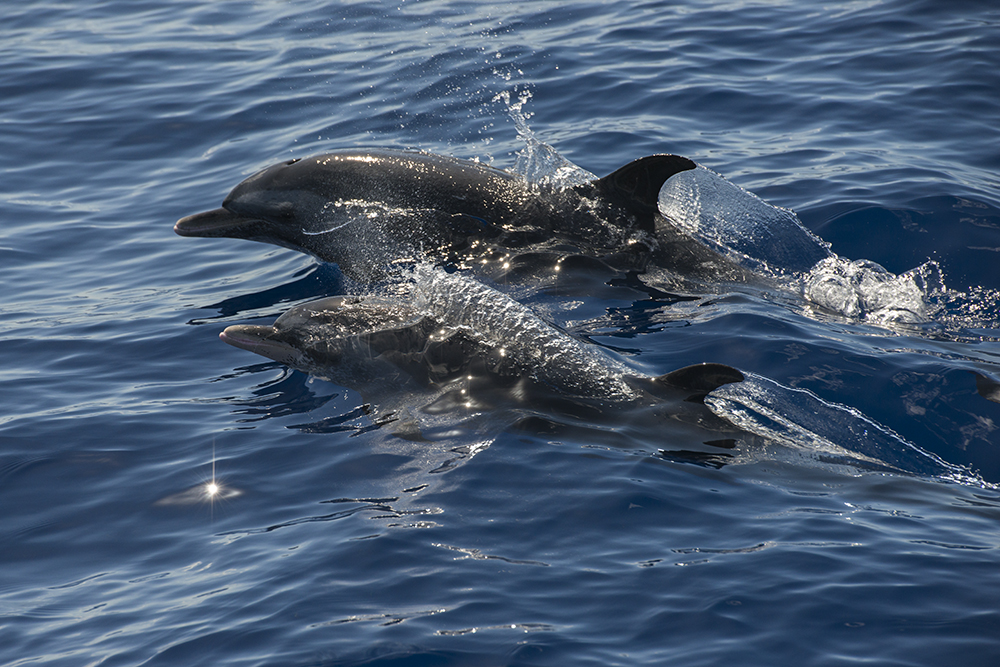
772, 242
864, 290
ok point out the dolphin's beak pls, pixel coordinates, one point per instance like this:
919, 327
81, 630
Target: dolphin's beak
259, 340
215, 223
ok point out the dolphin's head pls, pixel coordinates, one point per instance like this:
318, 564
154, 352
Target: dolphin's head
346, 339
288, 204
359, 209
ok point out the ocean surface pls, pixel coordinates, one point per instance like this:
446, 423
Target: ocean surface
523, 536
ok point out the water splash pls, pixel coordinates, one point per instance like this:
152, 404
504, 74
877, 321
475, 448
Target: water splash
772, 242
800, 419
975, 311
538, 162
738, 224
863, 290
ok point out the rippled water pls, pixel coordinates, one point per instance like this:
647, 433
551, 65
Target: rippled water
525, 536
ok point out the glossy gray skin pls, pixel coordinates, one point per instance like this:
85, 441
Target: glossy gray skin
362, 209
371, 345
359, 342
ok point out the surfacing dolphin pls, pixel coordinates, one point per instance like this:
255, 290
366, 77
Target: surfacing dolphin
451, 330
368, 209
466, 343
364, 209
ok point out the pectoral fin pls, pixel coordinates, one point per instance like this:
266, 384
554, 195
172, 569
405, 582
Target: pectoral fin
987, 387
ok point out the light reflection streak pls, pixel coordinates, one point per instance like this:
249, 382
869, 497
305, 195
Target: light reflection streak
209, 491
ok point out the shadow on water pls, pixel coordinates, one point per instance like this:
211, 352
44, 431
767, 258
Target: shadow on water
289, 394
316, 281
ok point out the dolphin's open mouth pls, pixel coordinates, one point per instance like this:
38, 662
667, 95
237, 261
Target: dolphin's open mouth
214, 223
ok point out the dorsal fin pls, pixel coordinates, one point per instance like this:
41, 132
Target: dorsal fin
636, 186
699, 379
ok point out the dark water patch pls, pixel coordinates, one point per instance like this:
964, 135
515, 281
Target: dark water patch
882, 235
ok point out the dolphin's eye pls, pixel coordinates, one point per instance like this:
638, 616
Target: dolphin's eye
292, 161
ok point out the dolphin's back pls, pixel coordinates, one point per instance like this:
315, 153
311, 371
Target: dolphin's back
395, 179
531, 345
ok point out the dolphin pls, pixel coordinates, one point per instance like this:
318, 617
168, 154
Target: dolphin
364, 209
471, 346
399, 359
367, 210
450, 330
384, 348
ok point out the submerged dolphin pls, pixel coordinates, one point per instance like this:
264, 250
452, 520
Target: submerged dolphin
381, 347
363, 209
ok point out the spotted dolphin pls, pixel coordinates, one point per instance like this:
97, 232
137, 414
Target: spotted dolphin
458, 338
684, 226
450, 328
362, 209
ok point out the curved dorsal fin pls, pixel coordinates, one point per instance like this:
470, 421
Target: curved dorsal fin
699, 379
636, 186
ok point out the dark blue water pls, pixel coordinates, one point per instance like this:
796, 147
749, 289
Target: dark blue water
551, 542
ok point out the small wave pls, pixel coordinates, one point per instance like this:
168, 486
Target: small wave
799, 419
772, 242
